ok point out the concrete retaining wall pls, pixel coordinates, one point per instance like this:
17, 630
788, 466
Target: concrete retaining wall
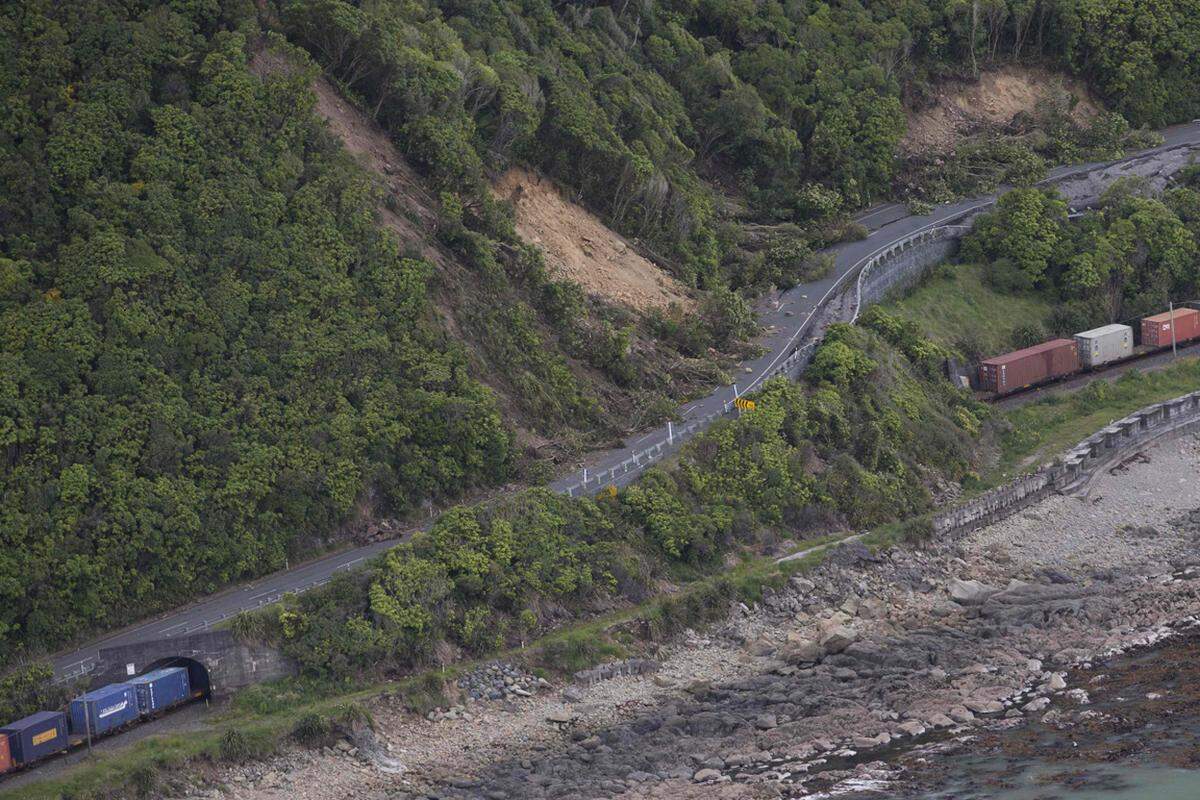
1074, 471
904, 269
604, 672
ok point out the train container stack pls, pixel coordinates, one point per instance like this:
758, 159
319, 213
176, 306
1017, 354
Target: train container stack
1032, 365
1156, 330
104, 710
1104, 344
161, 689
37, 736
100, 712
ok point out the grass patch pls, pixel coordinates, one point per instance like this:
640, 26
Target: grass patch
1045, 429
956, 308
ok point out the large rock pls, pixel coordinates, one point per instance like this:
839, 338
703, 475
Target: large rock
837, 638
970, 593
805, 651
981, 705
705, 775
1055, 683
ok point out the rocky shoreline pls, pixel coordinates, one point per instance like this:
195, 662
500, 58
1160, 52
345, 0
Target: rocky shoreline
829, 686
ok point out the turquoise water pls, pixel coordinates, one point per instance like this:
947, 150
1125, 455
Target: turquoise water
995, 779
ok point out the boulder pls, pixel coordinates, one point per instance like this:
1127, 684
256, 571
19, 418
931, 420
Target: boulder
1055, 683
984, 706
872, 609
761, 647
837, 638
970, 593
1036, 704
803, 652
961, 715
766, 722
561, 716
705, 775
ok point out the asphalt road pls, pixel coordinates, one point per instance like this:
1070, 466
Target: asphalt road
784, 323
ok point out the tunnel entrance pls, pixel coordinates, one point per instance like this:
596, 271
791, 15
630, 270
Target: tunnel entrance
197, 673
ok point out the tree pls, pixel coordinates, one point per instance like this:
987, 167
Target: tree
1026, 227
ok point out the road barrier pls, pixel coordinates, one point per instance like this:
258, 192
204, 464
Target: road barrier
1075, 470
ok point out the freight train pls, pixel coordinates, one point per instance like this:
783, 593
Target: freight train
1088, 350
97, 713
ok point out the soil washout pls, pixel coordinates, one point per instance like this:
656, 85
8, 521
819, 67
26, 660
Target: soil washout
580, 247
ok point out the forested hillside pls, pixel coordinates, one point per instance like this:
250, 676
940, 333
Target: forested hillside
855, 443
213, 355
796, 108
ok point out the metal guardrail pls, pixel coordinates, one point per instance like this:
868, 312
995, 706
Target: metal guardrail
922, 237
644, 458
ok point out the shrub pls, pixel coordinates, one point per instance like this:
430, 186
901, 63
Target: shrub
312, 730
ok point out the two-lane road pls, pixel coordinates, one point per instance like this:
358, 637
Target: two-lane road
784, 325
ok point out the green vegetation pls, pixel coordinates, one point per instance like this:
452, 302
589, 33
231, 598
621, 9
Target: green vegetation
27, 688
853, 446
211, 350
796, 109
1027, 273
1021, 154
314, 712
1039, 431
215, 359
958, 308
1119, 263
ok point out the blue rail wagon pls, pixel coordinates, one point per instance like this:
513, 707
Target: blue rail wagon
161, 689
104, 709
37, 736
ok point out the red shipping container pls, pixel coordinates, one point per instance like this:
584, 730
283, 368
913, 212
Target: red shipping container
5, 756
1022, 368
1156, 330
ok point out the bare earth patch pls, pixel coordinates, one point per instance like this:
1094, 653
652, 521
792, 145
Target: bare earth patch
995, 99
579, 246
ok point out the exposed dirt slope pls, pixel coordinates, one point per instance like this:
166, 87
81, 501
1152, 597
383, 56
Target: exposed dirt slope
995, 99
579, 246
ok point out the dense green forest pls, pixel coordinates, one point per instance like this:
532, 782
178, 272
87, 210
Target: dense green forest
210, 351
213, 357
1129, 258
796, 107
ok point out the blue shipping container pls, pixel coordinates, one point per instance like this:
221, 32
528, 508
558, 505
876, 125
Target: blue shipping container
104, 709
37, 736
161, 689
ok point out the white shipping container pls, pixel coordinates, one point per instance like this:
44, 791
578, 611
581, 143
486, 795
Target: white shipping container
1105, 344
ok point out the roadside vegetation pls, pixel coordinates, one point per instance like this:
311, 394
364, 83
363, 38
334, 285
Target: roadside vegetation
1026, 273
1039, 431
958, 308
313, 711
855, 445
